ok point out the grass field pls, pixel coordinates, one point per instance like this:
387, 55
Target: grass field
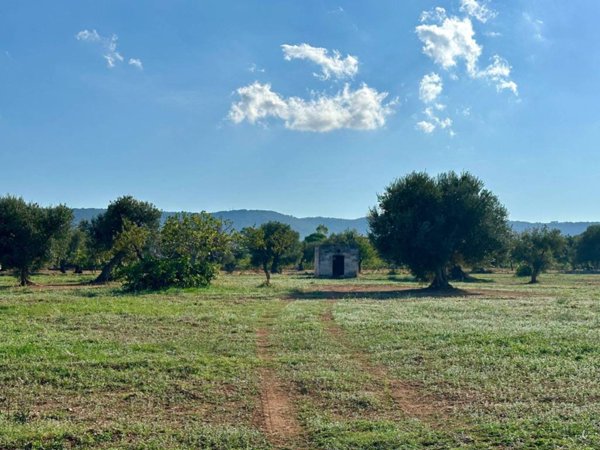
314, 364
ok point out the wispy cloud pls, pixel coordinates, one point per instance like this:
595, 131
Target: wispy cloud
253, 68
536, 25
477, 9
360, 109
331, 66
135, 62
109, 45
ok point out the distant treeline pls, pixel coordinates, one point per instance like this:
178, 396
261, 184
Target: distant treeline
242, 218
435, 227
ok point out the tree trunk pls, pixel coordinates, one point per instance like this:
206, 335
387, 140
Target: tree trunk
267, 274
534, 275
106, 273
24, 276
440, 280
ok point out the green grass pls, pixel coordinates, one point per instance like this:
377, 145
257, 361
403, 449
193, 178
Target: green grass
510, 366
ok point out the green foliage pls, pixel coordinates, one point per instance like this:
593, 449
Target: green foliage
72, 250
587, 248
237, 256
538, 248
271, 246
26, 233
106, 229
309, 243
187, 253
367, 254
431, 223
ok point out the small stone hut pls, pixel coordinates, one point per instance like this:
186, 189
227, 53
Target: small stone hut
336, 261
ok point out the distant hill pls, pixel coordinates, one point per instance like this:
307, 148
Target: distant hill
241, 218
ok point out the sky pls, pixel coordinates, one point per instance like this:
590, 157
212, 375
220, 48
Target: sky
309, 108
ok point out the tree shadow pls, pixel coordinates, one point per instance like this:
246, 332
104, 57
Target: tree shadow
381, 294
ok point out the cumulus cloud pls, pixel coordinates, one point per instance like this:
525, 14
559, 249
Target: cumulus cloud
430, 87
476, 9
333, 65
109, 45
449, 42
360, 109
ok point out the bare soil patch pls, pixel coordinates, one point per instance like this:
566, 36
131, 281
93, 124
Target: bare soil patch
277, 415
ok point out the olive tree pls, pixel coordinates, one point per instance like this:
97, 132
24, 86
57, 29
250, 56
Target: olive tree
431, 223
538, 248
587, 247
106, 228
26, 234
271, 245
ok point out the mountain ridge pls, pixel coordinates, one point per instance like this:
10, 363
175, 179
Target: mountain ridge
241, 218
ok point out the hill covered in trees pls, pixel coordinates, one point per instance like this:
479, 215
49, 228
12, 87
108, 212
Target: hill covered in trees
241, 218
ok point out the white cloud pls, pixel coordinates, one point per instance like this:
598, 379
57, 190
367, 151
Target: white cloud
437, 15
498, 72
476, 9
449, 42
87, 35
360, 109
453, 40
433, 121
136, 63
430, 87
334, 65
426, 127
109, 45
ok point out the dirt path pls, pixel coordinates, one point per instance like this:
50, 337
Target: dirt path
277, 413
409, 398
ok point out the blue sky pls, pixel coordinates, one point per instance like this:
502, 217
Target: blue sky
195, 105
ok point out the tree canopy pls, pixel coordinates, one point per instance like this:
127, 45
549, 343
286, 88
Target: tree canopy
587, 248
429, 223
187, 253
26, 233
538, 248
106, 228
271, 245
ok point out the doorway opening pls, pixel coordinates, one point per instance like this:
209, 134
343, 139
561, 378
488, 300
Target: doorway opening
338, 266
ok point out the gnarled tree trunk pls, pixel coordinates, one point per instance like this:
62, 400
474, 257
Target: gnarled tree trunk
440, 280
106, 274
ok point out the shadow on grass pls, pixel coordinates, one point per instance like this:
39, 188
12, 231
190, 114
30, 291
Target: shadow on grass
374, 294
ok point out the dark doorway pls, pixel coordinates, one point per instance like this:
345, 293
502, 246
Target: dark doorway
338, 265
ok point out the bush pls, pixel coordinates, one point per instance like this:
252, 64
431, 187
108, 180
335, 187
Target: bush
188, 253
160, 273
